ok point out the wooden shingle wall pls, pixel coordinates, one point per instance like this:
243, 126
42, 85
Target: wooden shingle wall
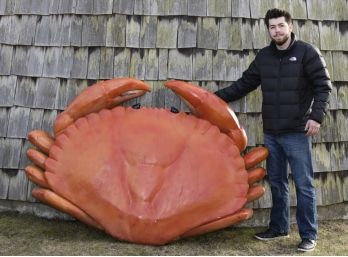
51, 50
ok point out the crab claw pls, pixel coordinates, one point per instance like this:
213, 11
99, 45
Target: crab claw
105, 94
210, 107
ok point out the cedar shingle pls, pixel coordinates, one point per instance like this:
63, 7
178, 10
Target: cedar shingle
76, 30
35, 119
342, 125
260, 34
240, 8
24, 161
6, 53
321, 157
176, 7
61, 99
137, 64
327, 10
65, 62
342, 96
309, 32
4, 178
46, 93
167, 32
123, 6
202, 65
3, 121
133, 31
219, 8
121, 63
7, 90
27, 29
180, 64
340, 64
19, 61
254, 101
9, 26
18, 186
49, 117
84, 6
106, 66
187, 32
80, 62
230, 34
18, 122
148, 32
11, 152
54, 7
163, 64
102, 6
207, 34
36, 58
44, 27
67, 6
197, 8
25, 91
116, 30
65, 30
52, 55
93, 30
151, 64
247, 34
93, 63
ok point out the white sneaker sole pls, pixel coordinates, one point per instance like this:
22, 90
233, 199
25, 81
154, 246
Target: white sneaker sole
273, 238
307, 250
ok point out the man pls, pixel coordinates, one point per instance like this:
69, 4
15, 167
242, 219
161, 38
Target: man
295, 87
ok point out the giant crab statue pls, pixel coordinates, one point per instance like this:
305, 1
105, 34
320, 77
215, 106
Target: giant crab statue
148, 175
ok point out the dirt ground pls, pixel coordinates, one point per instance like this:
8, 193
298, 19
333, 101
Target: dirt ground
29, 235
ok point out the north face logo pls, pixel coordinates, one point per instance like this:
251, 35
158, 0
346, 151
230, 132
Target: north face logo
293, 59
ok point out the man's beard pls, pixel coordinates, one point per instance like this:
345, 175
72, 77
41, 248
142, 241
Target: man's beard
280, 43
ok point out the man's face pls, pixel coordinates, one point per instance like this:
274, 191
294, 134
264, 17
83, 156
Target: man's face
279, 30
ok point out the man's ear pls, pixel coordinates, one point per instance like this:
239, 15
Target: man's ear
291, 26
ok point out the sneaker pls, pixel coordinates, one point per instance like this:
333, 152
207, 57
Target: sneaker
269, 234
307, 245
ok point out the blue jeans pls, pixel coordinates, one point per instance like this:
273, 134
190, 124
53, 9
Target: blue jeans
294, 148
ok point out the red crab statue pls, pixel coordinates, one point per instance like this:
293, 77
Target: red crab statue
147, 175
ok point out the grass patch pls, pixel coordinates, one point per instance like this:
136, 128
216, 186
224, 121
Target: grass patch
29, 235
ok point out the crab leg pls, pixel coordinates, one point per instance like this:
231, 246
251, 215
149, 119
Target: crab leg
105, 94
255, 156
210, 107
54, 200
36, 175
238, 217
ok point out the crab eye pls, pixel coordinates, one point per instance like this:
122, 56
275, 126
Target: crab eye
136, 106
174, 110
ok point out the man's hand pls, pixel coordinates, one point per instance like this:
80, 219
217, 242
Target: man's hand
312, 128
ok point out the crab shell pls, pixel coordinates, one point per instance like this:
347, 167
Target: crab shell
146, 175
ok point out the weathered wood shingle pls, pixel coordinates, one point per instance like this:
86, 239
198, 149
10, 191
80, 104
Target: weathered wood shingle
7, 90
6, 53
18, 122
10, 153
93, 30
187, 32
116, 31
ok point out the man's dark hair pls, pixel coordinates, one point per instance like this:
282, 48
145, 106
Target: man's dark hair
276, 13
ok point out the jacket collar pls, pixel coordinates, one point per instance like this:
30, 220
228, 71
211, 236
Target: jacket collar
293, 40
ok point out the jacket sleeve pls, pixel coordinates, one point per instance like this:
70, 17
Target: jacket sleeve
249, 81
319, 78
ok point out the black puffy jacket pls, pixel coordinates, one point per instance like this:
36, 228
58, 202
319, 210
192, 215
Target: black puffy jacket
295, 86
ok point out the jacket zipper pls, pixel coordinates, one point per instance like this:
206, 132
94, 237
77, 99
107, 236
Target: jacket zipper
278, 88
